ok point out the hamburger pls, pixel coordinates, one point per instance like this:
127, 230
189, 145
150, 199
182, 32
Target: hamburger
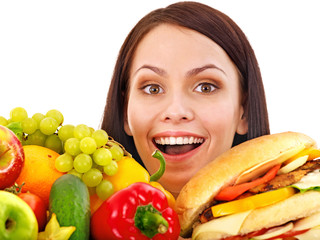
265, 188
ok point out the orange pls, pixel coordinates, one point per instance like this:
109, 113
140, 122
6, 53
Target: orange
38, 173
95, 202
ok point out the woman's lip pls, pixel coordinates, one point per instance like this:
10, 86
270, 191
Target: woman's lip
177, 140
180, 157
177, 134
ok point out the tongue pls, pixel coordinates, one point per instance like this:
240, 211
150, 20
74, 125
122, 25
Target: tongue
178, 149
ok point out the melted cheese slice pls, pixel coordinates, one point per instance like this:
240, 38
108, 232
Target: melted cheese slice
313, 233
307, 222
293, 165
261, 168
224, 226
275, 232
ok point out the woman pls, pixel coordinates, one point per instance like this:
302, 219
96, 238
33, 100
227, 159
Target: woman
187, 82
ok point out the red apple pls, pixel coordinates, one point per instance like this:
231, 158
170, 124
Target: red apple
11, 157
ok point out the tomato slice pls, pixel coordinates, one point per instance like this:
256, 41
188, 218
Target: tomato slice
252, 202
238, 237
291, 233
231, 192
257, 233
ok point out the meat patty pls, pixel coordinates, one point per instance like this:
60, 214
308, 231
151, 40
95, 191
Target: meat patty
287, 179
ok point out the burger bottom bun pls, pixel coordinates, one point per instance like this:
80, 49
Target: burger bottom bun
293, 208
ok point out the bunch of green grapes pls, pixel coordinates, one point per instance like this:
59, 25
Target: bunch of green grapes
84, 151
40, 129
89, 154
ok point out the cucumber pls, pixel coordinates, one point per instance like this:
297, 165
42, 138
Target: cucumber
70, 201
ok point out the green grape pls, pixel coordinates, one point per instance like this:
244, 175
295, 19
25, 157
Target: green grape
102, 156
48, 125
74, 172
82, 163
18, 114
72, 146
36, 138
88, 145
38, 117
57, 115
54, 143
3, 121
111, 169
64, 163
66, 132
92, 177
101, 137
104, 189
29, 125
80, 131
117, 152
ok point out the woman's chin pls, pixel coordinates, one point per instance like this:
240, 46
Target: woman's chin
174, 182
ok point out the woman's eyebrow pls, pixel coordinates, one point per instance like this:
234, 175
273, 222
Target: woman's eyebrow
196, 71
190, 73
157, 70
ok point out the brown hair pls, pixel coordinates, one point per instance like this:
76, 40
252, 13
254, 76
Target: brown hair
216, 26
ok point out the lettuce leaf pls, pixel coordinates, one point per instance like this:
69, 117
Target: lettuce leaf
302, 190
16, 128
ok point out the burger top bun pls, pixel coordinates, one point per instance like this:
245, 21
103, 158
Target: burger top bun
234, 166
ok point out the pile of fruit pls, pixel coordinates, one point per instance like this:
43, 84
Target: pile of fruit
70, 176
85, 152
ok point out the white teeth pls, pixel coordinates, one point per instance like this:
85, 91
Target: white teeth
178, 140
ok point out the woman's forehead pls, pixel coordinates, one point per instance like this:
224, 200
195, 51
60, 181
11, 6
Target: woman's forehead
172, 43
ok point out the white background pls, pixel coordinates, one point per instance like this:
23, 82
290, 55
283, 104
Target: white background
61, 54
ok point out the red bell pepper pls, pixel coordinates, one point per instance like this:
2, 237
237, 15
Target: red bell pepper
139, 212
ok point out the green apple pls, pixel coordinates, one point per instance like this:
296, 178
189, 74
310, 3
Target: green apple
17, 220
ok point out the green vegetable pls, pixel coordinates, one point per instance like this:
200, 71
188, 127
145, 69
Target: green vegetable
302, 190
309, 182
16, 127
70, 201
156, 176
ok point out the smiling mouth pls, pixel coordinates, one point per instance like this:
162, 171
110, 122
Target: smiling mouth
177, 145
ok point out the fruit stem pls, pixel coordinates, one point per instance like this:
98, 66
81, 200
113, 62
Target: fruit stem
9, 224
150, 221
4, 152
15, 189
156, 176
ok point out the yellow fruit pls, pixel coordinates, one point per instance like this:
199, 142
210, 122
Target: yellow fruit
38, 173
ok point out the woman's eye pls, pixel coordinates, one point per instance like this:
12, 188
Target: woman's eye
205, 88
153, 89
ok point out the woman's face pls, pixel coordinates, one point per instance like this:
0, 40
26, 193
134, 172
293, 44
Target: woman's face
184, 98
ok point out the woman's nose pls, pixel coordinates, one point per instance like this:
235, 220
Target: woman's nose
177, 109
